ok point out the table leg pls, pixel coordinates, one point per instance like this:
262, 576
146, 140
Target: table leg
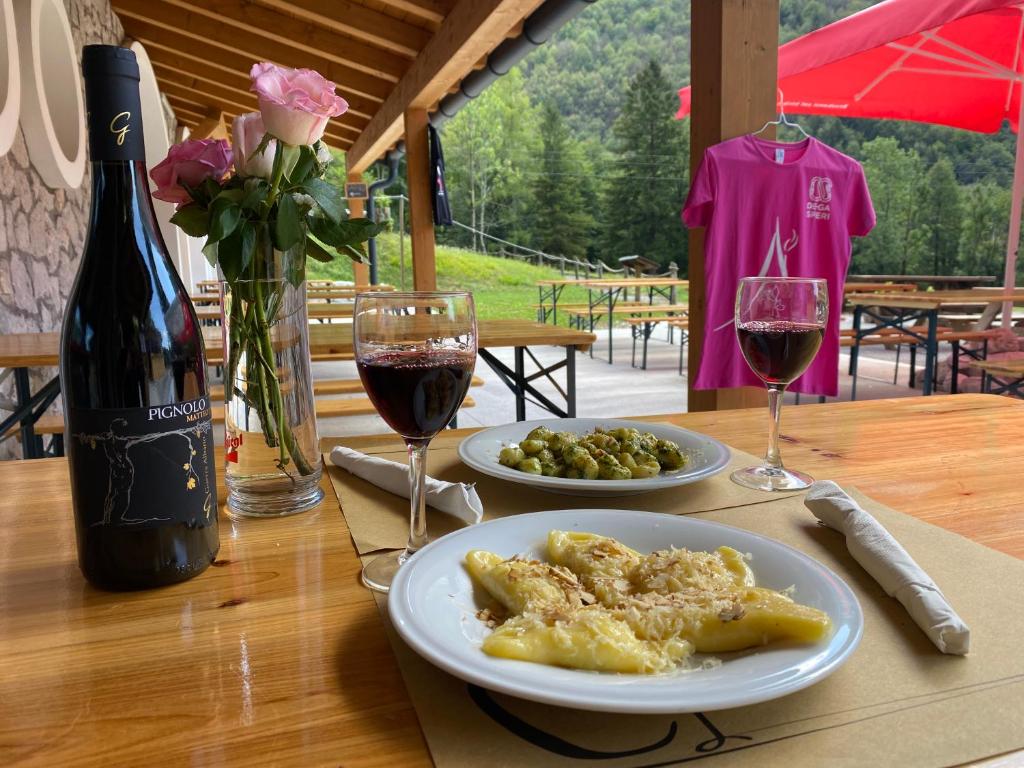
611, 324
23, 393
520, 392
954, 382
648, 327
854, 349
570, 382
930, 352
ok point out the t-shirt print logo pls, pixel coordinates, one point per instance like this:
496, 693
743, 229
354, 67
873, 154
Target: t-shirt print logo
819, 194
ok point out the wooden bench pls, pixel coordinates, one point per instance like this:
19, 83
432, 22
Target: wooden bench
1002, 377
642, 328
543, 310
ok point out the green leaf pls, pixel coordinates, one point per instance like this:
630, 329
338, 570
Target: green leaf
256, 191
210, 188
235, 252
288, 225
356, 254
303, 166
192, 219
289, 157
262, 146
210, 252
342, 233
316, 251
295, 263
328, 197
235, 195
224, 218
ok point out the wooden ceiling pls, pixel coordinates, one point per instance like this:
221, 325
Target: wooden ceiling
386, 56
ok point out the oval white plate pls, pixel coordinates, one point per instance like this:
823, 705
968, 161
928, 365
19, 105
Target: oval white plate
433, 606
707, 456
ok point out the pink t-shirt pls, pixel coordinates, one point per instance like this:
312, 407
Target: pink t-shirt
774, 209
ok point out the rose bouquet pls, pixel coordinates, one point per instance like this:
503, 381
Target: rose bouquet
261, 222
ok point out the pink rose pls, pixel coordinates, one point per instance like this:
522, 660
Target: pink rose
247, 132
190, 162
296, 103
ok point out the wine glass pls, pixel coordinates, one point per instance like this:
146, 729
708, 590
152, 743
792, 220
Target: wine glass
415, 353
780, 323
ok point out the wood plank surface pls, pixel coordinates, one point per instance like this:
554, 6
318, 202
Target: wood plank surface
277, 656
40, 349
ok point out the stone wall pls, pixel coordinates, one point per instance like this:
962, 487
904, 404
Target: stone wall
42, 229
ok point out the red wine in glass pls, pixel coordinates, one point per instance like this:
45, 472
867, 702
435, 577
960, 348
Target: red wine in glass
779, 350
417, 392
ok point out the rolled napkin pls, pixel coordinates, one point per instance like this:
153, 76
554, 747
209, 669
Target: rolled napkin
458, 499
890, 565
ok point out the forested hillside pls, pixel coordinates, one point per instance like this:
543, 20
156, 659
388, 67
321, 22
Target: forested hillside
576, 153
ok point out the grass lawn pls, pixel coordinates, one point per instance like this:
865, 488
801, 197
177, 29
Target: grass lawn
502, 288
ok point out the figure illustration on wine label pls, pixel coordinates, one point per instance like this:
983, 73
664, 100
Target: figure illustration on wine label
121, 479
777, 251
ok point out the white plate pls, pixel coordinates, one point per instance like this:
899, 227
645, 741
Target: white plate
433, 606
707, 456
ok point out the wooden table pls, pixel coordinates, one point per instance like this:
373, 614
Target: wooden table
27, 350
939, 281
895, 310
278, 656
315, 310
603, 295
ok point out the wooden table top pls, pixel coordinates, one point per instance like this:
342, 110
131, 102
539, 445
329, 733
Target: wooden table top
278, 656
936, 299
316, 311
24, 350
965, 279
636, 282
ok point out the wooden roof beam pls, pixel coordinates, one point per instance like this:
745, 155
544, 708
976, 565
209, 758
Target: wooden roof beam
471, 30
287, 30
220, 41
428, 10
360, 21
359, 111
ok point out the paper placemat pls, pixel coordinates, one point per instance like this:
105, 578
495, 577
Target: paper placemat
380, 520
897, 701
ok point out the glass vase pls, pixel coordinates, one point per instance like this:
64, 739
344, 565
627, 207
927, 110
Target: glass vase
272, 454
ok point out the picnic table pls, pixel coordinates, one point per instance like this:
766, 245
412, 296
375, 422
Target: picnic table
894, 310
604, 295
315, 310
280, 650
939, 282
331, 341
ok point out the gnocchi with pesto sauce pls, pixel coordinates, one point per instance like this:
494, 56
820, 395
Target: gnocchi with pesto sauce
624, 453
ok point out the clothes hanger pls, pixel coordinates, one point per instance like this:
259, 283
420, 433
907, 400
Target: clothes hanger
782, 120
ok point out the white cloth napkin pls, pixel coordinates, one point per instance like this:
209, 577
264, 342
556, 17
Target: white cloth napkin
458, 499
889, 564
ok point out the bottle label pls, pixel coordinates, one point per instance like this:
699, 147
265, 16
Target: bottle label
143, 467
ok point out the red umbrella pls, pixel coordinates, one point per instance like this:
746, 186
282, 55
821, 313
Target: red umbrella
949, 62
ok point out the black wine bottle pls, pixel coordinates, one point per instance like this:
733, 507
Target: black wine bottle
138, 429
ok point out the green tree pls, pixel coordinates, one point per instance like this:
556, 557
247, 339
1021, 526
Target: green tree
942, 216
647, 178
895, 177
485, 146
985, 227
560, 222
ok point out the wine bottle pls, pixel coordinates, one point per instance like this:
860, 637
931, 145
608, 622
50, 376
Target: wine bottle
138, 428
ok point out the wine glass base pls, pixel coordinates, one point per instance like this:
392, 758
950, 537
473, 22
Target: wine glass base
380, 572
771, 479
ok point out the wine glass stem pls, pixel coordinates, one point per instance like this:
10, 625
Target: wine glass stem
773, 459
417, 498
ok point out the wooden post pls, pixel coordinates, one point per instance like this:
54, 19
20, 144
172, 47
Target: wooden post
421, 216
734, 72
357, 209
